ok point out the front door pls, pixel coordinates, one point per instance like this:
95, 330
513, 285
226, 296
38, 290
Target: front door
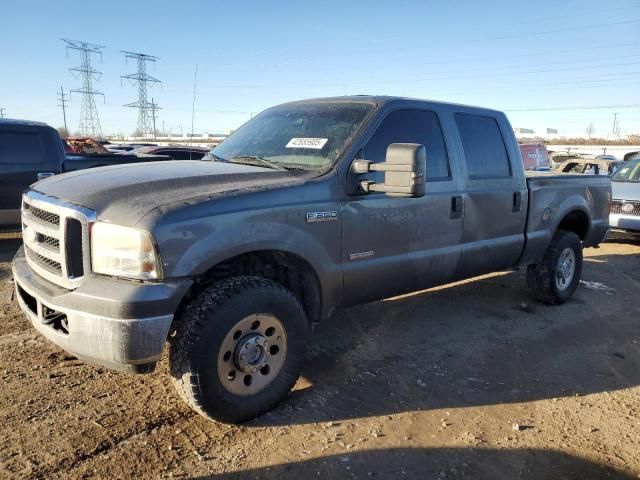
396, 245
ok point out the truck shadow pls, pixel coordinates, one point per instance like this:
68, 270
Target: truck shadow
483, 342
448, 463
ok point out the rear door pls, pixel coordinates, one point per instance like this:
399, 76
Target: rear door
396, 245
22, 157
495, 200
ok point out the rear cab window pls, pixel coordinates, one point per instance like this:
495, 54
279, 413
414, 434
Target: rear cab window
484, 148
20, 147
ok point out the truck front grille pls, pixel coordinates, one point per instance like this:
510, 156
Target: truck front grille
44, 216
626, 207
44, 262
56, 238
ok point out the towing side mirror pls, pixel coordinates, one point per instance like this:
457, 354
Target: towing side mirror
404, 170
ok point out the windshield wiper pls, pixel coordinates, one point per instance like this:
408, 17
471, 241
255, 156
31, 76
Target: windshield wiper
253, 159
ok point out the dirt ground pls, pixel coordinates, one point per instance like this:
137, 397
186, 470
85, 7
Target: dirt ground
428, 385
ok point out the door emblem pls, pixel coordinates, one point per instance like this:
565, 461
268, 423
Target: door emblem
330, 216
357, 255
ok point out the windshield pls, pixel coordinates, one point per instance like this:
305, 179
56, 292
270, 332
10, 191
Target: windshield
306, 136
629, 172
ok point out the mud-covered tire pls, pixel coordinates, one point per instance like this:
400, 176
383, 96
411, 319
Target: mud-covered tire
199, 335
544, 278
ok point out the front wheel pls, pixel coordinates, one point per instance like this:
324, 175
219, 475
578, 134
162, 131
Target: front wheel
555, 278
238, 348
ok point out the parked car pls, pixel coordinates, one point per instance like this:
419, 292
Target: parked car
120, 148
308, 207
625, 203
177, 152
535, 156
631, 155
588, 166
127, 147
31, 151
611, 158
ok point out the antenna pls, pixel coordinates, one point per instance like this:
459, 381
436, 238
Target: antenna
89, 121
141, 78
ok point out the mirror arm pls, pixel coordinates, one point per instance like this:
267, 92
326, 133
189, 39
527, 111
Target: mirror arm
368, 186
366, 166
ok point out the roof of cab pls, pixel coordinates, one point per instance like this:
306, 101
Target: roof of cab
380, 100
13, 121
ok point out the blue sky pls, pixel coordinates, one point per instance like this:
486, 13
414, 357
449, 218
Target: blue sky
519, 57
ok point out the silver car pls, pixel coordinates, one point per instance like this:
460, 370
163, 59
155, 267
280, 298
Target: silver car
625, 204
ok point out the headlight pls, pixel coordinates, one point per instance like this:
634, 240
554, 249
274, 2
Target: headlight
123, 252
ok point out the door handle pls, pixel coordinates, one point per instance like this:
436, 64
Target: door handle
457, 207
42, 175
517, 202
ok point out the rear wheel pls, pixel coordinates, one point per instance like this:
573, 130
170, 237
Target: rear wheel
238, 348
555, 278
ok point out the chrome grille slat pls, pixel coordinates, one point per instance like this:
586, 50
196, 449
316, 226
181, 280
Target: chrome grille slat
44, 216
44, 262
45, 229
45, 252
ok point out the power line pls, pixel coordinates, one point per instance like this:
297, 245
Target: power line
585, 107
62, 102
141, 78
89, 121
429, 79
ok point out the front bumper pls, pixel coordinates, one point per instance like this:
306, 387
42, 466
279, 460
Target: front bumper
627, 223
116, 323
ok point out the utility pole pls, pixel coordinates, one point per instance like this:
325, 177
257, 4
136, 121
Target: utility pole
193, 106
3, 112
89, 121
153, 114
141, 78
615, 123
62, 102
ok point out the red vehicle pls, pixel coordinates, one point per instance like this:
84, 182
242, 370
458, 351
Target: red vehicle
535, 156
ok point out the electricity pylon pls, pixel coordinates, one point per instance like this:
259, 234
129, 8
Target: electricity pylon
146, 109
89, 121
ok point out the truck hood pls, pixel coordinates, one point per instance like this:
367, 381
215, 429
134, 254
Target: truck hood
625, 190
125, 193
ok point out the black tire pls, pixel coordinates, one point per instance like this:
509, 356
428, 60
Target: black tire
542, 276
203, 328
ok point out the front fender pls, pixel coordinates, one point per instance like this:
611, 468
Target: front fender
193, 247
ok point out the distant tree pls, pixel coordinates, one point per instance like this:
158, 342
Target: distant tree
136, 133
63, 132
590, 130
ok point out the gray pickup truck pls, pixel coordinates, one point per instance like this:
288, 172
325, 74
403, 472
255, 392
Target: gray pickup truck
309, 207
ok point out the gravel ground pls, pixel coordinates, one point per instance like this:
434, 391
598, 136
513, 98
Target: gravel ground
471, 380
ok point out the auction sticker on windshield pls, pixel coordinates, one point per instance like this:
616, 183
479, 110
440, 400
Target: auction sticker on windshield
313, 143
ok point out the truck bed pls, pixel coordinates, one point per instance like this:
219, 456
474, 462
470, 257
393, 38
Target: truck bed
551, 196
